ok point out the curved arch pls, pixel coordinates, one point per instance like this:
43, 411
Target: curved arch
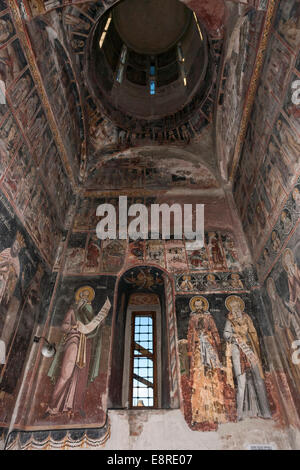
192, 168
170, 394
230, 89
212, 12
67, 90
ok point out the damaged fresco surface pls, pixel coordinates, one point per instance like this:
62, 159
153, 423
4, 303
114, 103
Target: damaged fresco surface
229, 318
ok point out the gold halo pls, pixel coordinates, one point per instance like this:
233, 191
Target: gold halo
236, 298
81, 289
198, 297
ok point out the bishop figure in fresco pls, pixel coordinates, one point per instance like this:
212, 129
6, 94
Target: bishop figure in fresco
243, 347
206, 370
293, 274
9, 274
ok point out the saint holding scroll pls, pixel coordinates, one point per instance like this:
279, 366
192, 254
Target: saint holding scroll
77, 361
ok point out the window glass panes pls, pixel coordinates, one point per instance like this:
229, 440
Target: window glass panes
143, 362
120, 73
180, 53
152, 87
123, 55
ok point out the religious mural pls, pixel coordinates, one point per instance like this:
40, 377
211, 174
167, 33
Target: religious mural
146, 171
281, 298
104, 137
232, 336
268, 201
31, 214
214, 281
25, 288
222, 374
282, 229
87, 254
263, 189
60, 85
27, 142
81, 328
236, 75
287, 22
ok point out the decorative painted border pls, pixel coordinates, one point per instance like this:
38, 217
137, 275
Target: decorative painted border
264, 266
222, 283
23, 36
253, 84
59, 439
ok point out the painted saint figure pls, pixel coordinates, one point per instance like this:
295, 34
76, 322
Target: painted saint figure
9, 274
92, 256
296, 198
6, 30
187, 284
199, 259
286, 329
78, 358
235, 281
286, 221
17, 331
293, 274
206, 375
243, 347
216, 251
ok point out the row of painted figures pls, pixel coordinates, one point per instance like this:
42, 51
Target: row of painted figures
212, 380
200, 356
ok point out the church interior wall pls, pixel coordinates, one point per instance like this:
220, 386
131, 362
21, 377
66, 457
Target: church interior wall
251, 247
266, 193
214, 273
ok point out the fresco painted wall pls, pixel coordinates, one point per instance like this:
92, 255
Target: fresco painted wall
61, 87
266, 190
32, 209
240, 56
26, 285
214, 274
203, 285
222, 380
145, 170
263, 185
199, 317
281, 300
67, 33
223, 249
62, 397
28, 150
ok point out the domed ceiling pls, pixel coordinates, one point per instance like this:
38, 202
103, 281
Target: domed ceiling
139, 74
148, 69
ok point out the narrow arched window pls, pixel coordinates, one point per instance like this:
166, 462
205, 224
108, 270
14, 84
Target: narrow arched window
144, 355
